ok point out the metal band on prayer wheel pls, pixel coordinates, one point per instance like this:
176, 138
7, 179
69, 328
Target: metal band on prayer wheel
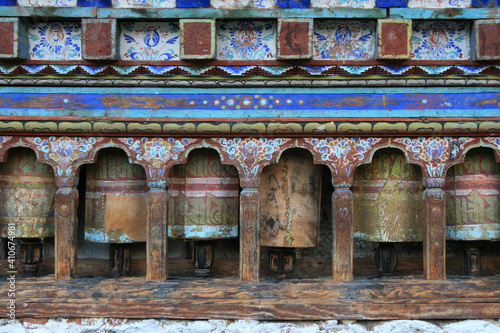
473, 198
204, 198
27, 194
290, 201
388, 200
116, 200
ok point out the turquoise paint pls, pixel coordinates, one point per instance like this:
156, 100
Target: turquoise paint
46, 12
210, 13
445, 14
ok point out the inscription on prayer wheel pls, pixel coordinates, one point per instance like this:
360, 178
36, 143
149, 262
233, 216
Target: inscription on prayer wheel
203, 198
290, 201
388, 200
27, 194
473, 198
116, 200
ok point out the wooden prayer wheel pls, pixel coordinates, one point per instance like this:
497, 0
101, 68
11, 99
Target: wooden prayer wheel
27, 194
473, 202
388, 205
203, 205
115, 206
290, 207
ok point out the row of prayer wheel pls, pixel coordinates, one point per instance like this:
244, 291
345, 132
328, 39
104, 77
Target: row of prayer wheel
204, 205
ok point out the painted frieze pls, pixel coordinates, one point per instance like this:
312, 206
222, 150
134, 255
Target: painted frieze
251, 153
246, 40
149, 41
47, 3
143, 3
440, 40
55, 41
439, 3
155, 154
343, 3
435, 155
64, 152
344, 154
344, 40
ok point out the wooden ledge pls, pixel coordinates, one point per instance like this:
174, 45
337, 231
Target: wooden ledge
270, 299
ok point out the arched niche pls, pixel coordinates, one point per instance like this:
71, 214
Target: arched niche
203, 213
387, 214
473, 213
112, 211
292, 223
27, 200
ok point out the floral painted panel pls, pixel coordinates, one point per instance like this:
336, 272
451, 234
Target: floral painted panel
55, 41
143, 3
439, 3
440, 40
246, 40
343, 3
149, 41
47, 3
344, 40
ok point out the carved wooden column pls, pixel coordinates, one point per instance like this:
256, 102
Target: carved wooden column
157, 243
249, 234
342, 155
342, 260
66, 227
435, 156
434, 229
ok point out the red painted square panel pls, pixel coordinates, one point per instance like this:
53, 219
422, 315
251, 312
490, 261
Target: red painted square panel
295, 39
487, 39
99, 39
197, 39
394, 39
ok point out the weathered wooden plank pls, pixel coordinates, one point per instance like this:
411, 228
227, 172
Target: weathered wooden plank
373, 290
259, 311
285, 300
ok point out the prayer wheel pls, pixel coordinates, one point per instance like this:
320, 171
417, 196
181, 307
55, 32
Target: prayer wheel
388, 206
473, 203
290, 208
203, 205
27, 194
115, 206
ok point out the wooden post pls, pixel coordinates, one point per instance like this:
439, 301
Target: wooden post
434, 234
66, 225
249, 234
342, 256
157, 244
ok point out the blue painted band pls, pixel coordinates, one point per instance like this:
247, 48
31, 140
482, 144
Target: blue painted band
169, 104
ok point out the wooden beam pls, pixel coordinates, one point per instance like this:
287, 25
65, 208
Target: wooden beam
317, 299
